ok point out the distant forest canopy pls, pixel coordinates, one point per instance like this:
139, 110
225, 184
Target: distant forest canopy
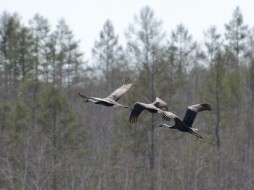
49, 139
62, 28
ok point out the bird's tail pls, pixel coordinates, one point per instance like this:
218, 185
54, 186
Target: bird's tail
196, 134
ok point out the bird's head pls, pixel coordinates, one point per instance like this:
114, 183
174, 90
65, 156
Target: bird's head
85, 101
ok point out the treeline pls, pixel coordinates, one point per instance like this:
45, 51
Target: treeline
50, 140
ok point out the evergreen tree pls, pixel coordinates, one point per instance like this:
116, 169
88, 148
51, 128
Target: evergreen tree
108, 56
26, 57
65, 59
183, 46
236, 33
10, 35
61, 127
40, 30
145, 39
213, 46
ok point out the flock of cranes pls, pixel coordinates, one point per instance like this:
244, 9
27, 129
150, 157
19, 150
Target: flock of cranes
158, 106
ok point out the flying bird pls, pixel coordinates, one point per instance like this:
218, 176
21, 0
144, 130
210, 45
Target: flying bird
111, 100
155, 107
185, 125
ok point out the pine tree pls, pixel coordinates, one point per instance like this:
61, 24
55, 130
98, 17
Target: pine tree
213, 46
60, 126
40, 30
236, 33
10, 35
144, 44
108, 56
182, 44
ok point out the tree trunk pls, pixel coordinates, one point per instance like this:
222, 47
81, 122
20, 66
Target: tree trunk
151, 157
217, 128
54, 185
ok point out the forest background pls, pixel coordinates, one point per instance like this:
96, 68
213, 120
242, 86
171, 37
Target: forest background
49, 139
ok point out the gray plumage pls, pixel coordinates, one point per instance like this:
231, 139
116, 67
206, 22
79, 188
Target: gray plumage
110, 100
155, 107
192, 111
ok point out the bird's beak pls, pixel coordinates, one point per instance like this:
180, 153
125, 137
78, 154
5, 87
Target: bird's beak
166, 108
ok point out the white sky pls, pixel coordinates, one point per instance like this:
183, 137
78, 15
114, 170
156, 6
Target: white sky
87, 17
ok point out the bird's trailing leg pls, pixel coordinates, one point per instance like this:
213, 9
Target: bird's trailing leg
194, 129
195, 134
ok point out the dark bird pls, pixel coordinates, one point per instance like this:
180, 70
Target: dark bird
155, 107
111, 100
185, 125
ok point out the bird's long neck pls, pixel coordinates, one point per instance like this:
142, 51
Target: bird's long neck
168, 126
92, 100
120, 105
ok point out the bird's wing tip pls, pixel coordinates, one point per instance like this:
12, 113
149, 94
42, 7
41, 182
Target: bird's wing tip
127, 80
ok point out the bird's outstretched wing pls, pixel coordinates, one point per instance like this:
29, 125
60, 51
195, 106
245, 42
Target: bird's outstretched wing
159, 103
167, 116
192, 111
137, 109
200, 107
118, 93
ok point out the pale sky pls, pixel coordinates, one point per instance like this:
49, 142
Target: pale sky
87, 17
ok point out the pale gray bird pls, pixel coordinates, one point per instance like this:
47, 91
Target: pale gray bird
185, 125
111, 100
155, 107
